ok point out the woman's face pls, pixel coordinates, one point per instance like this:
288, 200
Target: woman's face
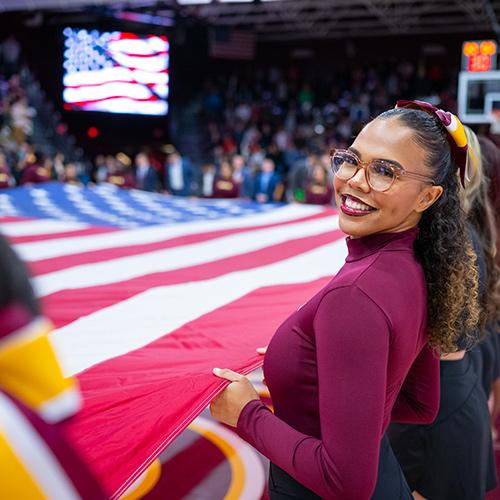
319, 174
364, 211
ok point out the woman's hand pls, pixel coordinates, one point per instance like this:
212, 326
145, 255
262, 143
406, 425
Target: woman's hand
227, 406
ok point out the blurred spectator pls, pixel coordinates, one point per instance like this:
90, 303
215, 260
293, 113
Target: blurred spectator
178, 175
119, 171
58, 163
6, 177
224, 184
22, 119
11, 50
267, 185
70, 175
36, 172
146, 177
206, 180
242, 175
319, 189
100, 171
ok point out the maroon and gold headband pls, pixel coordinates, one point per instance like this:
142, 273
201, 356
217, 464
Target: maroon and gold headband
456, 133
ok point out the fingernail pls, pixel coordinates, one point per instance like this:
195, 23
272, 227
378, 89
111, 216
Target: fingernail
216, 371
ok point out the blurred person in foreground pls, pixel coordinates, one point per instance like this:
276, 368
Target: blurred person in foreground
35, 399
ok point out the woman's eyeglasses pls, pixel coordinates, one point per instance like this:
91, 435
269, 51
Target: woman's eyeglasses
380, 174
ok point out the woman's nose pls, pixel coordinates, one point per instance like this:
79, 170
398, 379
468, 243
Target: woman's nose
359, 181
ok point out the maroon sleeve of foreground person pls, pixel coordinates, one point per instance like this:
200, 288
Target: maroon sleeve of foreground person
352, 358
418, 400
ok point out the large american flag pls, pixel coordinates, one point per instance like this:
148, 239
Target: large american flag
116, 72
148, 293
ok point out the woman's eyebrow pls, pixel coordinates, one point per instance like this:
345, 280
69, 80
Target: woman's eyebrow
392, 162
355, 151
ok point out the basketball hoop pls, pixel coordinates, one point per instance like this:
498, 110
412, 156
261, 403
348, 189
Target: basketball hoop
495, 122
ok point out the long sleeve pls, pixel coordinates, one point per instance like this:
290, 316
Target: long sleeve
352, 343
418, 399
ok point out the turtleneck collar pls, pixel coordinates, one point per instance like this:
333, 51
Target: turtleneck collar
360, 248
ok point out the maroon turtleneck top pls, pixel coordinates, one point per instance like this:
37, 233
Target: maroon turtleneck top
343, 366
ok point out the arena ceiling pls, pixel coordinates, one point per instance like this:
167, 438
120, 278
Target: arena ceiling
302, 19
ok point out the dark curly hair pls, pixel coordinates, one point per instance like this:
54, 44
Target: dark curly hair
443, 244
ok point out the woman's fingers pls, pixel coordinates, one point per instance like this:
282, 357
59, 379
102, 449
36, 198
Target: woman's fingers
262, 350
227, 374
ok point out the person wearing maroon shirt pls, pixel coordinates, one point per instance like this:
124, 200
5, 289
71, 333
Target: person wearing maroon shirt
35, 173
224, 185
318, 191
360, 353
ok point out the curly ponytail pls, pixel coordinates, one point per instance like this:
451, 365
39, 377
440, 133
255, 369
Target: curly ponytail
443, 245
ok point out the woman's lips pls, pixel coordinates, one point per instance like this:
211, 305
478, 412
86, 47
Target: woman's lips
353, 206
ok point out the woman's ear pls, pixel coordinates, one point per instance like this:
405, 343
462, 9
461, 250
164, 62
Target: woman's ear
428, 197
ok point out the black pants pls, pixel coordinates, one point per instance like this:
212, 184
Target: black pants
391, 484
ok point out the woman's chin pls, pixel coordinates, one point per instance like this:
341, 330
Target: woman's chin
353, 227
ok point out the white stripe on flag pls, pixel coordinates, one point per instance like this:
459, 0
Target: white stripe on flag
113, 74
41, 226
67, 246
152, 64
136, 322
107, 90
125, 268
127, 105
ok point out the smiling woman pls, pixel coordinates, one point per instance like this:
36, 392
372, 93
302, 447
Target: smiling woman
409, 280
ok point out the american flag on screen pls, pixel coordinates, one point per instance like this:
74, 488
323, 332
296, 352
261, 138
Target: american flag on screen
115, 72
148, 293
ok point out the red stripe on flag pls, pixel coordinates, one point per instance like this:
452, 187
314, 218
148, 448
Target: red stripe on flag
32, 238
138, 403
91, 101
8, 220
66, 306
45, 266
130, 54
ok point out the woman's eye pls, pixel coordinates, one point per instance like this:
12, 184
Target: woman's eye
349, 160
381, 169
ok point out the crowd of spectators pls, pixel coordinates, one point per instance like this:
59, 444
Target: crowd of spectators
21, 161
268, 132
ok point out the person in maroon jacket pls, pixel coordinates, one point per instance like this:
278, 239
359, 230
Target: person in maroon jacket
318, 190
224, 184
119, 172
35, 171
362, 352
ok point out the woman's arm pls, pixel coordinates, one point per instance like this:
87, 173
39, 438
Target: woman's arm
418, 399
352, 343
